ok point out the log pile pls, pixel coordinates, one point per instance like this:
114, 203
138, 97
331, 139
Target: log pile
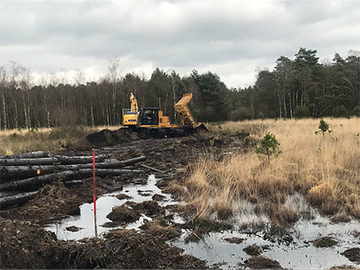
29, 171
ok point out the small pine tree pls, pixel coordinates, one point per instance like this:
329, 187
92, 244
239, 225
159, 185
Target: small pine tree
269, 146
323, 127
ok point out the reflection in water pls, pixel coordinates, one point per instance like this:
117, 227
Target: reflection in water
104, 206
300, 253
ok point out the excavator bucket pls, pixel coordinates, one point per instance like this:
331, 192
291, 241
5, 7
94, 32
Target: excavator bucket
187, 120
201, 127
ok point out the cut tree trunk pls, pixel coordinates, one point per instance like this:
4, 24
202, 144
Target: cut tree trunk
8, 173
51, 160
37, 154
35, 182
16, 199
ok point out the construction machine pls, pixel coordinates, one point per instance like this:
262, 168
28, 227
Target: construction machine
153, 122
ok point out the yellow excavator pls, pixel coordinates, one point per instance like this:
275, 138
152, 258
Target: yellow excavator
153, 122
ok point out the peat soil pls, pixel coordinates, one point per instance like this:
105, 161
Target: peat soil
148, 229
24, 243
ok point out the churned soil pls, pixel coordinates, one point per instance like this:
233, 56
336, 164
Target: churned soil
25, 244
261, 262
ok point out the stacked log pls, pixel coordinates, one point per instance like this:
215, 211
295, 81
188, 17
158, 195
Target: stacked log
29, 171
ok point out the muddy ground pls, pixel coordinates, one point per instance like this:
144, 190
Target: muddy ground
25, 244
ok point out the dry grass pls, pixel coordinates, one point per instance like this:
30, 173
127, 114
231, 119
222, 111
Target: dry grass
46, 139
325, 169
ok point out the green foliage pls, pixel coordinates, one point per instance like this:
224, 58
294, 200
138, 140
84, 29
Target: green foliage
356, 111
302, 112
340, 111
323, 128
269, 146
241, 114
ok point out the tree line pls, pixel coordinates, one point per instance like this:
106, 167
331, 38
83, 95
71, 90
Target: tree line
299, 87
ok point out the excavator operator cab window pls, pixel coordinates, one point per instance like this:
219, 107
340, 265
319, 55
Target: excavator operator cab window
149, 117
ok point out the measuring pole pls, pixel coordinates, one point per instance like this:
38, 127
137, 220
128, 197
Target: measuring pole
94, 192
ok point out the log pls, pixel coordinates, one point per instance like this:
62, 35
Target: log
106, 172
51, 160
79, 159
16, 199
73, 182
35, 182
152, 169
36, 154
8, 173
113, 163
28, 161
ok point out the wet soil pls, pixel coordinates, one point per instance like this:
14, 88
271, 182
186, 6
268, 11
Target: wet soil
25, 244
260, 262
326, 241
353, 254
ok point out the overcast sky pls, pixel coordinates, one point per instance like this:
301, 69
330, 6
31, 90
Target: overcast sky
231, 38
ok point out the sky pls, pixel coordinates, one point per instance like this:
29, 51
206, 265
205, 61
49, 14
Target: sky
232, 38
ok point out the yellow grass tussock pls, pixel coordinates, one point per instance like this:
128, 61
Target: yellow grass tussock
325, 169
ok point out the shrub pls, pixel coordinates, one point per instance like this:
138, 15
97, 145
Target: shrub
340, 111
323, 128
269, 146
302, 112
356, 111
242, 114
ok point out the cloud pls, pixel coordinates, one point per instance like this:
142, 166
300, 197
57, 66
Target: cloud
229, 37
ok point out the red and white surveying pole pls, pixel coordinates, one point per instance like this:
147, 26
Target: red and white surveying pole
94, 192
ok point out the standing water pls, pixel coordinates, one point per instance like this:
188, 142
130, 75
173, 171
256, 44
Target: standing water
104, 205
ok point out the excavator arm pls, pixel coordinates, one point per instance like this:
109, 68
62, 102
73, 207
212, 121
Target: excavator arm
133, 103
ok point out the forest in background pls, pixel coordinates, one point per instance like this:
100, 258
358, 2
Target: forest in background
295, 88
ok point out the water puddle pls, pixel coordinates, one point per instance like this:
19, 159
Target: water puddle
298, 253
104, 205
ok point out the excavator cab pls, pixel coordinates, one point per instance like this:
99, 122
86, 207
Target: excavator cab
149, 116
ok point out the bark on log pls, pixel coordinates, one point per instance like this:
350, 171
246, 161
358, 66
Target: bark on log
16, 199
152, 169
105, 172
51, 160
65, 160
35, 182
113, 163
8, 173
28, 161
36, 154
73, 182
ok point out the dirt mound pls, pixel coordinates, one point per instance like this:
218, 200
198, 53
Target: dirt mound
108, 137
353, 254
326, 241
123, 215
161, 229
54, 202
253, 250
25, 245
234, 240
149, 208
260, 262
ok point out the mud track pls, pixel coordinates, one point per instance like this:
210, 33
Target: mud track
25, 244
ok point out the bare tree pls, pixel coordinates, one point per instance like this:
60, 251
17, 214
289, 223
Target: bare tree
113, 69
